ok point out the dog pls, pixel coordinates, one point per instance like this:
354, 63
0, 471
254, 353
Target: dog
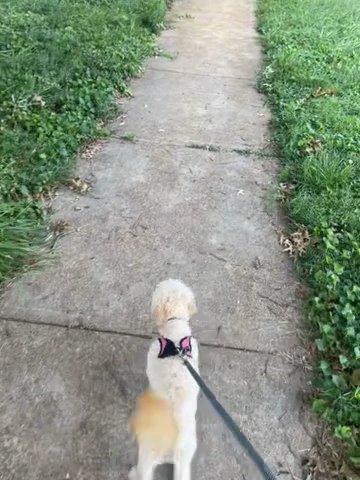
164, 422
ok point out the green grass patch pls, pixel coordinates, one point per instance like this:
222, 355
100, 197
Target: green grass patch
311, 78
61, 63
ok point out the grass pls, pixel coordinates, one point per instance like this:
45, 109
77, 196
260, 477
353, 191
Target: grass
22, 237
129, 137
311, 78
61, 63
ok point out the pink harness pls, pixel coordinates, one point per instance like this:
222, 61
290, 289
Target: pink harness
169, 349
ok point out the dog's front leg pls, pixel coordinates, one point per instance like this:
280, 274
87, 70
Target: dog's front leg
145, 467
182, 469
183, 456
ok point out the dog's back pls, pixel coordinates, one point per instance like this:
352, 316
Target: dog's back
170, 380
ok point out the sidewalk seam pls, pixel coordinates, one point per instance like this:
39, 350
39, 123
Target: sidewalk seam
208, 147
251, 81
133, 335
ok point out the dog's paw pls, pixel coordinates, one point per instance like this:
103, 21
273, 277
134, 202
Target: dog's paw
132, 473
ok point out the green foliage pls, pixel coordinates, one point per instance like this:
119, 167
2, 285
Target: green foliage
60, 64
335, 311
311, 78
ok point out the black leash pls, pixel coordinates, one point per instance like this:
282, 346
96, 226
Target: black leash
229, 422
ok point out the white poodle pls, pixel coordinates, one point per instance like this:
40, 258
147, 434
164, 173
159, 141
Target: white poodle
164, 422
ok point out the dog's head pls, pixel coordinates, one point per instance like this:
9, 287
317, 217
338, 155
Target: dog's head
172, 298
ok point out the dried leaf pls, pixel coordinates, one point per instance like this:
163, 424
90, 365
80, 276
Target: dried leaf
321, 93
91, 149
313, 146
78, 185
46, 199
38, 100
59, 227
285, 190
287, 187
296, 243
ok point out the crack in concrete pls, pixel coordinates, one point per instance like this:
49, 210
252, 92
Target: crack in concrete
275, 302
251, 83
209, 147
123, 333
246, 152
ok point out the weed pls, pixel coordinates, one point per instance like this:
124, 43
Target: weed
164, 54
246, 152
201, 146
129, 137
311, 79
187, 16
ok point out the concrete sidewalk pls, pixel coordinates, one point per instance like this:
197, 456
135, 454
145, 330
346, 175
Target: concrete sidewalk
187, 200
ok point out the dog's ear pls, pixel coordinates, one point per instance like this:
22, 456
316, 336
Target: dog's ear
160, 314
192, 308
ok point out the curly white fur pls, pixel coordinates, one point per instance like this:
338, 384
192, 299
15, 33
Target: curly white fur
173, 304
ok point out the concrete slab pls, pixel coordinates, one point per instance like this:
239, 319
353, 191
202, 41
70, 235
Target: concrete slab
218, 48
67, 396
201, 51
222, 111
200, 38
156, 212
206, 93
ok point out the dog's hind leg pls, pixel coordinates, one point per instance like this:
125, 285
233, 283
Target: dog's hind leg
145, 468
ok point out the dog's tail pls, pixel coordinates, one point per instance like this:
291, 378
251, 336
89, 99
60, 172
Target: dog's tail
154, 424
172, 298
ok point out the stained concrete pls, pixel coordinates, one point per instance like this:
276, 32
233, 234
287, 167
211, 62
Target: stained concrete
189, 199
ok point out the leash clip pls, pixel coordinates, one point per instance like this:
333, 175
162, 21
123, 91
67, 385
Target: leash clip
181, 354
